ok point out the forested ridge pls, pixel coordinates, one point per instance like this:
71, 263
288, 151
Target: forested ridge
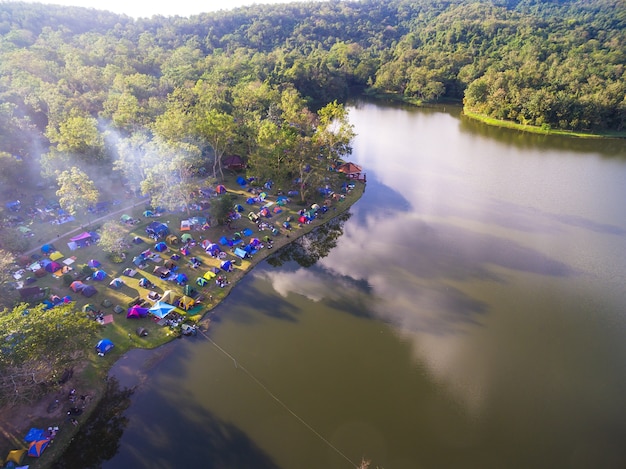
558, 64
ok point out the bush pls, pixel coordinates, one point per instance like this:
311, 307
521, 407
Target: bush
67, 279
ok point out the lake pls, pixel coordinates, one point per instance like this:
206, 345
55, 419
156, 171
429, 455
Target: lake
470, 312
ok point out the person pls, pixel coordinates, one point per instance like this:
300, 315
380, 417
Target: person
74, 421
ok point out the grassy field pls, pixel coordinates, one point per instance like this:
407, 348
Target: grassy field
540, 130
122, 330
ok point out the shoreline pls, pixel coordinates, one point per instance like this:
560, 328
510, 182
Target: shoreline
92, 380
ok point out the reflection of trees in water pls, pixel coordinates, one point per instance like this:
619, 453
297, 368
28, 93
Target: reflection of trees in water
606, 147
307, 250
98, 439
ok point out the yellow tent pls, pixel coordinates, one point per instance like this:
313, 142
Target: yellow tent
17, 456
55, 256
170, 298
209, 275
186, 303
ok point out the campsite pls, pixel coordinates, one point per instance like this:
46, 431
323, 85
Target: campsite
175, 270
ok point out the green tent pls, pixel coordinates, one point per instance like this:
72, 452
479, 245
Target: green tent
186, 238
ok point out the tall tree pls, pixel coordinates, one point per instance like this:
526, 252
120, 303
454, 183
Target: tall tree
113, 238
172, 182
76, 190
38, 344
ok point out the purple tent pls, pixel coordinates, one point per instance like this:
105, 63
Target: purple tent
82, 239
93, 263
53, 266
137, 312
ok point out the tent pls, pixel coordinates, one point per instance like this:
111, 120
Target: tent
169, 264
104, 346
209, 275
89, 291
171, 239
240, 253
185, 225
254, 242
265, 212
141, 332
213, 249
185, 251
137, 240
242, 181
186, 238
202, 282
157, 230
37, 448
186, 303
55, 256
138, 260
77, 286
148, 213
34, 434
89, 308
82, 240
227, 266
99, 275
160, 247
93, 263
224, 241
136, 312
48, 248
221, 189
277, 210
161, 309
181, 279
145, 283
53, 267
126, 219
116, 283
189, 291
170, 297
16, 456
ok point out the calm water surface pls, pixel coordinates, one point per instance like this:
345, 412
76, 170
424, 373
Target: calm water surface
472, 314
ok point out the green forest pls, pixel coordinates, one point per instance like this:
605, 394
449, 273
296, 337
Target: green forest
84, 91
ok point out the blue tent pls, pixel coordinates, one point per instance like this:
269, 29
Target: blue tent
241, 181
160, 247
239, 208
34, 434
241, 253
104, 346
250, 200
201, 281
227, 266
116, 283
224, 241
99, 275
89, 291
181, 279
36, 448
156, 229
47, 248
161, 309
213, 249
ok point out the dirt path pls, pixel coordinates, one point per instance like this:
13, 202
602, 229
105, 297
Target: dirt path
82, 227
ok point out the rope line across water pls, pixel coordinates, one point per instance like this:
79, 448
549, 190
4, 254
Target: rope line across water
277, 399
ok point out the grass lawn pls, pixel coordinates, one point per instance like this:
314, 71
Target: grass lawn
122, 330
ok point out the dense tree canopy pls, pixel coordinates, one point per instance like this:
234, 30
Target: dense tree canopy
73, 81
38, 344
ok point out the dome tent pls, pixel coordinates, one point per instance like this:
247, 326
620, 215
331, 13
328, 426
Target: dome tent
104, 346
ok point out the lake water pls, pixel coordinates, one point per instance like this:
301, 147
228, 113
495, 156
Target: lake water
472, 313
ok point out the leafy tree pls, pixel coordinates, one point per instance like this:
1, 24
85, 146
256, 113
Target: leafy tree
221, 207
38, 344
113, 238
172, 182
76, 190
78, 136
13, 241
